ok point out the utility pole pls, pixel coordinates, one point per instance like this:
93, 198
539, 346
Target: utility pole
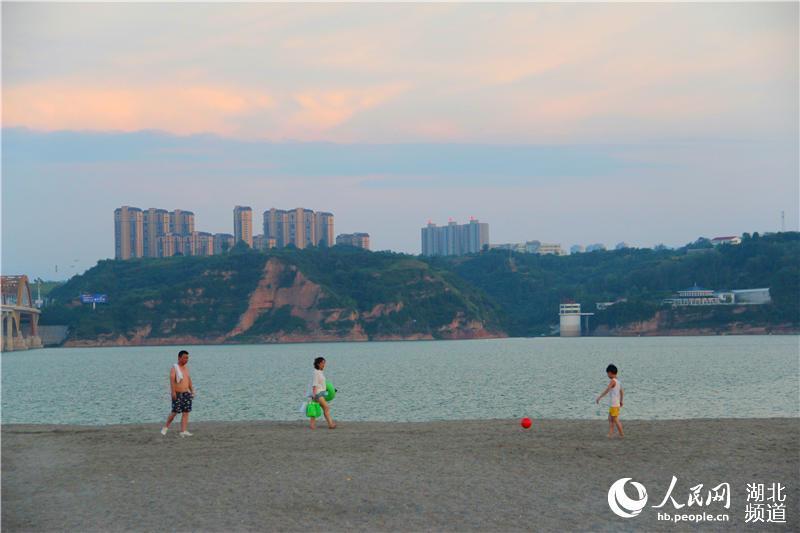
783, 221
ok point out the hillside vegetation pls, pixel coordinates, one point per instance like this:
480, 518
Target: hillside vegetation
345, 293
530, 288
246, 296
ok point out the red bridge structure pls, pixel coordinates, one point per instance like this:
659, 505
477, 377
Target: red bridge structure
20, 316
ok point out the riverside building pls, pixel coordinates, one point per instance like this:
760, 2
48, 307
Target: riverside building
455, 239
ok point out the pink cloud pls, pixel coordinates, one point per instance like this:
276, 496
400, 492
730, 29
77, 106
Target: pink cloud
174, 108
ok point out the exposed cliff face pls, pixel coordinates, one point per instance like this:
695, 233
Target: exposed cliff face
305, 301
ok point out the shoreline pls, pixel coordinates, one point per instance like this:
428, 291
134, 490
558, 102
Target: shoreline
214, 342
45, 427
487, 475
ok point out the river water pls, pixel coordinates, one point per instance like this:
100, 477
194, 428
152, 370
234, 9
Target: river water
663, 378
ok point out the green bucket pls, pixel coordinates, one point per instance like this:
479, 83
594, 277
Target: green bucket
313, 410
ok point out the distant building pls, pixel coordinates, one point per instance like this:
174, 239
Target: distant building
695, 296
243, 225
263, 243
518, 247
223, 242
359, 240
595, 247
601, 306
716, 241
156, 224
751, 296
128, 233
324, 230
181, 222
299, 227
170, 245
551, 249
276, 226
454, 239
571, 318
204, 243
577, 249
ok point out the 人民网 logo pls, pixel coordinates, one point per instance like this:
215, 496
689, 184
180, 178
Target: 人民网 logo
621, 504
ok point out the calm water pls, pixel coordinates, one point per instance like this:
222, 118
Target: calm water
688, 377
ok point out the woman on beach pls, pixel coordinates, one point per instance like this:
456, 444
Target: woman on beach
319, 393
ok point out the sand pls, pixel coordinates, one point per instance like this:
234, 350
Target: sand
473, 475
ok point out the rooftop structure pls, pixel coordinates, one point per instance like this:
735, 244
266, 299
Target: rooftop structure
733, 240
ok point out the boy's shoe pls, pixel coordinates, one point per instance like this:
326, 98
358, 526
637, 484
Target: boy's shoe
164, 431
185, 434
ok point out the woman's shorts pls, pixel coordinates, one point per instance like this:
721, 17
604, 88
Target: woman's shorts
613, 411
322, 394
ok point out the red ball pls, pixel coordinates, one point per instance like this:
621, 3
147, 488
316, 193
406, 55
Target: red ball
525, 423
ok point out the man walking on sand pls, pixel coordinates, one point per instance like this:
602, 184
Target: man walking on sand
182, 392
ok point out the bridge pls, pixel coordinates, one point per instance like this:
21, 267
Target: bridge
20, 325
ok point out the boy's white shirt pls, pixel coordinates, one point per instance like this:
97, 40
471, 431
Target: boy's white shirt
614, 393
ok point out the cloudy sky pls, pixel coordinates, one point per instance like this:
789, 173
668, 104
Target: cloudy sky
569, 123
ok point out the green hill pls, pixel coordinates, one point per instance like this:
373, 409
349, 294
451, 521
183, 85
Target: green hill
529, 288
288, 295
345, 293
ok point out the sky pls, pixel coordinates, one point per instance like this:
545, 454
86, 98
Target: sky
567, 123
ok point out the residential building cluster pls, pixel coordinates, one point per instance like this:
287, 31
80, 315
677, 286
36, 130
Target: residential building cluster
455, 239
298, 227
160, 233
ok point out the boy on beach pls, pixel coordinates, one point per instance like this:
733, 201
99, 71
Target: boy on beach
615, 396
182, 391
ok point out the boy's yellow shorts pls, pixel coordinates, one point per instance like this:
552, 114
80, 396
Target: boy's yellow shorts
613, 411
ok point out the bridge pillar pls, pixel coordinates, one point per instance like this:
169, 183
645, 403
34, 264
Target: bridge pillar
8, 332
19, 339
3, 341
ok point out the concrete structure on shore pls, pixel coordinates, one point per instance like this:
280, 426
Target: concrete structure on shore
20, 318
570, 319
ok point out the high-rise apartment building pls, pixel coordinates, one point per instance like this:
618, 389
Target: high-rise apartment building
243, 225
128, 233
455, 239
302, 227
276, 226
324, 229
181, 222
156, 223
204, 243
263, 243
223, 242
298, 227
359, 240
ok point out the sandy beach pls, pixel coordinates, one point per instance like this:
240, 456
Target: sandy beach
473, 475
